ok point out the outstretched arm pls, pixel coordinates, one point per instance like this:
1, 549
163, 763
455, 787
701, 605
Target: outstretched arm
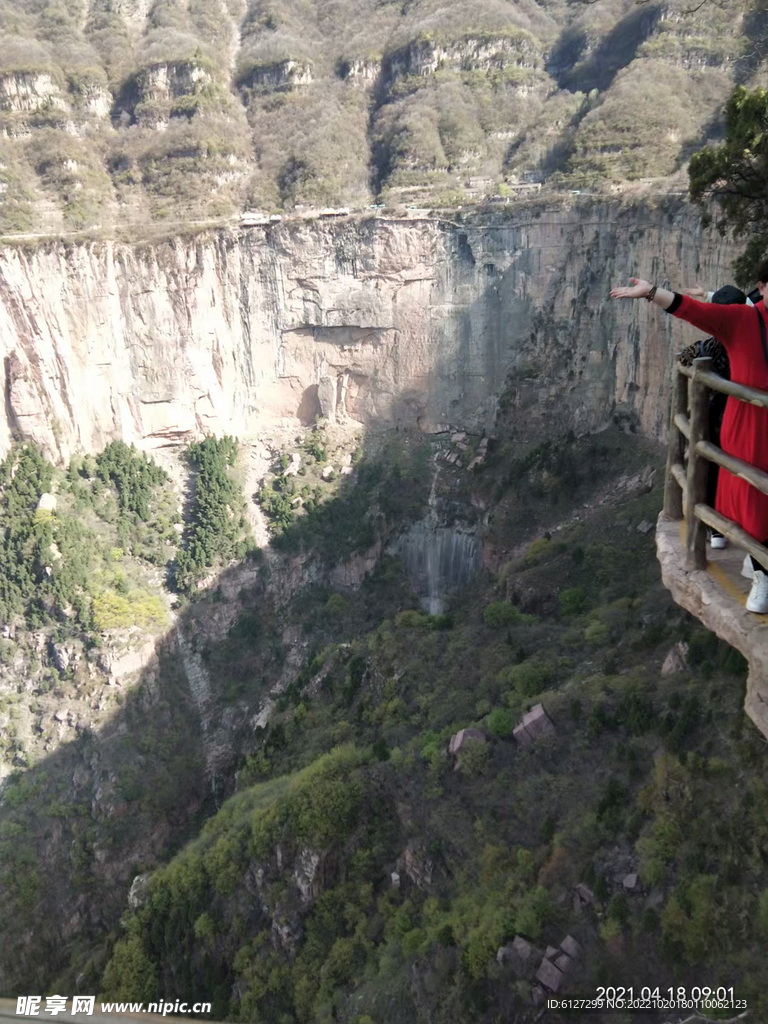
697, 292
639, 289
721, 321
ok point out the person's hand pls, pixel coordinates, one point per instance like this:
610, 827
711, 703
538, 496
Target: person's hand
638, 289
697, 292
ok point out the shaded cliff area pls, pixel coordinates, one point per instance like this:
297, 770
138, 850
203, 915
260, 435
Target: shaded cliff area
271, 813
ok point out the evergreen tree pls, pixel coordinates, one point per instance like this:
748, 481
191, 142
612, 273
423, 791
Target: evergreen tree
735, 175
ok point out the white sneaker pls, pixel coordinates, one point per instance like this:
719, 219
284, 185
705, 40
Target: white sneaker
758, 595
746, 570
718, 541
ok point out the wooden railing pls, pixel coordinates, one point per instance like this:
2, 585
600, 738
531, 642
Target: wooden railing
685, 487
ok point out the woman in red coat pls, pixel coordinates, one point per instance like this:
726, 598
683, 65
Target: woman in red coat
745, 427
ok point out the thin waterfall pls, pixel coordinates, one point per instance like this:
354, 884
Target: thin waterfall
440, 560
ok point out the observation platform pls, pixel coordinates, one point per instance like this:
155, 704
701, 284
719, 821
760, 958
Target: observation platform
717, 597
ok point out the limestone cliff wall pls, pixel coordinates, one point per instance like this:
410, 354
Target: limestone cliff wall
383, 321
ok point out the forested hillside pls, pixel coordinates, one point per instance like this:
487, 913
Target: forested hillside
334, 860
181, 110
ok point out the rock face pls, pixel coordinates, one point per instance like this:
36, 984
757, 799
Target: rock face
425, 56
415, 323
24, 91
720, 610
282, 75
167, 81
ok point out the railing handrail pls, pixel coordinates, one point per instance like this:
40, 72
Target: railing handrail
727, 387
685, 487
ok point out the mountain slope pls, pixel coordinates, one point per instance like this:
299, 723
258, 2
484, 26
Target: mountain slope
188, 110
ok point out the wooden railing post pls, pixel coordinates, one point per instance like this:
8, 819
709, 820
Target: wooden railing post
673, 492
698, 467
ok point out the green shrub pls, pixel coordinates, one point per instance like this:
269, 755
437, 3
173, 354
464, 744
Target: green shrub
500, 613
619, 909
501, 723
573, 601
597, 634
337, 604
134, 476
534, 913
474, 759
411, 618
217, 531
529, 677
536, 550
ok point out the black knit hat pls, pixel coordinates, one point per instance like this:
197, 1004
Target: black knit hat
729, 295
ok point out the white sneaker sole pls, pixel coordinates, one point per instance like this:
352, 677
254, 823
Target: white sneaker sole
746, 570
718, 543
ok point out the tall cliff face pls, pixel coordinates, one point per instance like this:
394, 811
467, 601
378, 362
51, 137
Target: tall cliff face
381, 321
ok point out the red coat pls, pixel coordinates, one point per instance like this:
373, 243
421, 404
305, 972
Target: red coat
745, 427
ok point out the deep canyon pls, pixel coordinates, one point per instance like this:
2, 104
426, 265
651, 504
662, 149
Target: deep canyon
384, 325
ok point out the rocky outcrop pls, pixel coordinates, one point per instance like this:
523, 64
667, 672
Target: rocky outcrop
419, 323
719, 606
359, 70
424, 56
170, 80
25, 91
281, 75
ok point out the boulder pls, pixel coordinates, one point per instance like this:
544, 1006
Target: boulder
305, 873
460, 739
417, 865
676, 660
328, 473
47, 502
326, 396
504, 954
538, 996
630, 882
523, 948
139, 891
551, 952
584, 894
644, 527
519, 955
